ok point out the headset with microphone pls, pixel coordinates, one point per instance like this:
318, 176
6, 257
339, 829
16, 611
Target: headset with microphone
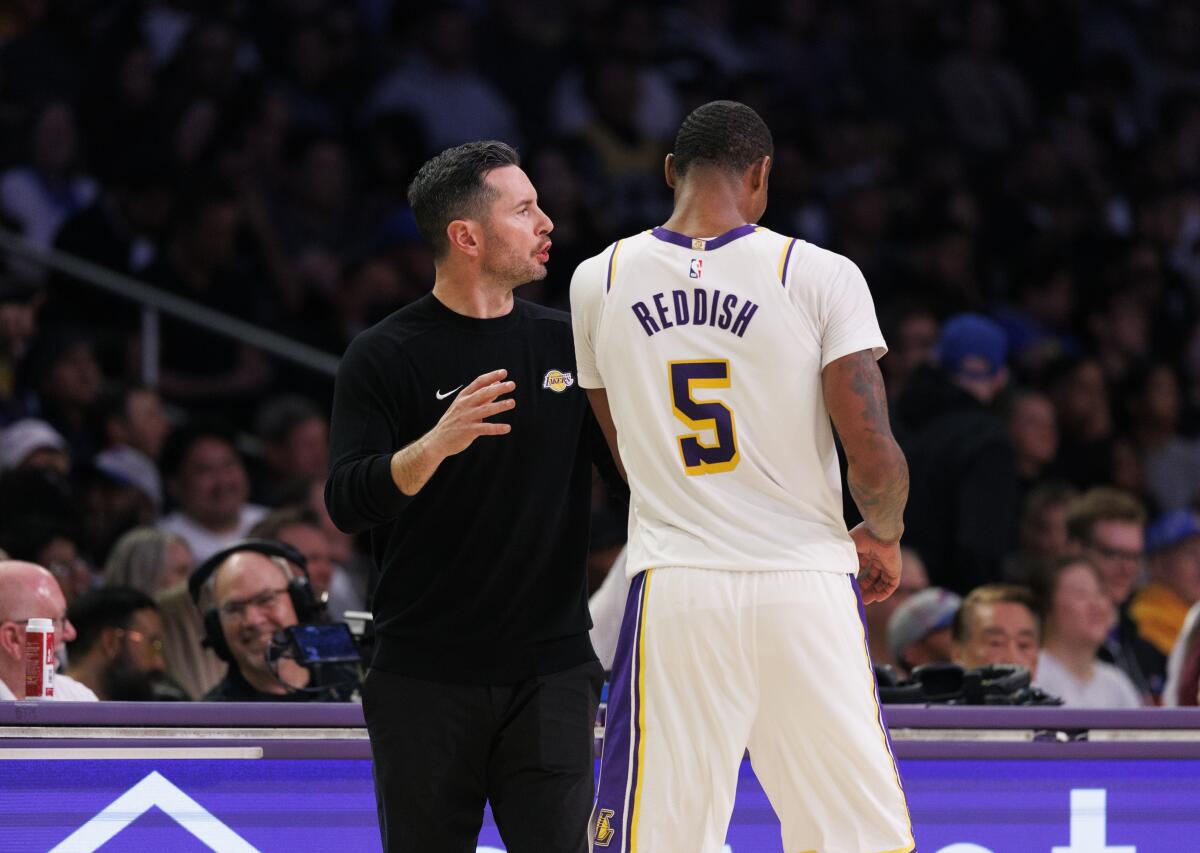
304, 602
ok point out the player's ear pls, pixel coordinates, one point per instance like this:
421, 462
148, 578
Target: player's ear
669, 170
759, 172
463, 236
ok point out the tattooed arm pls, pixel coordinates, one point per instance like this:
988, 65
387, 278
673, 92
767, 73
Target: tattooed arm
876, 470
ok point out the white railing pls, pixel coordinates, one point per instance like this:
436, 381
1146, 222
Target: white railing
154, 301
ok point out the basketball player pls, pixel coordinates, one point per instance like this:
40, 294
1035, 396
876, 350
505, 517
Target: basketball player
715, 353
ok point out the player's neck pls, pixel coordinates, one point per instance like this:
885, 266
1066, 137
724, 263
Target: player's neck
467, 293
706, 211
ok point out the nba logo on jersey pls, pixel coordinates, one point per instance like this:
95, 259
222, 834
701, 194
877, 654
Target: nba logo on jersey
694, 270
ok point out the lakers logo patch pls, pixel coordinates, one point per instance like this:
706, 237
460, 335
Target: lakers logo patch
604, 830
558, 381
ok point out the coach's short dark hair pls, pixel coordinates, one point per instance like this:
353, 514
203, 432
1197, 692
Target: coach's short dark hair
451, 186
106, 607
725, 134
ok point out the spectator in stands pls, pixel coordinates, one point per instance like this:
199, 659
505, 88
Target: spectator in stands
120, 231
137, 474
1029, 416
1042, 526
201, 262
28, 591
300, 527
148, 560
190, 664
1107, 527
998, 624
913, 579
54, 543
919, 629
113, 496
41, 194
351, 556
984, 96
33, 443
961, 510
63, 374
20, 302
250, 593
133, 416
437, 71
295, 437
1160, 608
1085, 425
207, 479
1172, 462
911, 330
1183, 666
118, 646
1079, 616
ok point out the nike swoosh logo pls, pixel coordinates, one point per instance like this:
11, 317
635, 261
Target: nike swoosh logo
442, 396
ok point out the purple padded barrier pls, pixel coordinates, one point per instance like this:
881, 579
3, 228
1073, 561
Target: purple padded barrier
177, 714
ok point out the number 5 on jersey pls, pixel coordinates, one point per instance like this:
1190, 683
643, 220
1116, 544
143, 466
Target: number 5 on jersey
702, 415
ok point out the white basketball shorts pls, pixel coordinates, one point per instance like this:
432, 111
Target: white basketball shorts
710, 663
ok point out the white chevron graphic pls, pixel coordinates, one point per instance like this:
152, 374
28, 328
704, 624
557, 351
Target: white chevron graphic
154, 790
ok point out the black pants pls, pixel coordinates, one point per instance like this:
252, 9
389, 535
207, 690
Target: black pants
442, 750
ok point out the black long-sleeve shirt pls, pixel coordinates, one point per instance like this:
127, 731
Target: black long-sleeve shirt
482, 576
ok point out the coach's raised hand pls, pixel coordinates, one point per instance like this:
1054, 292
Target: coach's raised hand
462, 423
467, 417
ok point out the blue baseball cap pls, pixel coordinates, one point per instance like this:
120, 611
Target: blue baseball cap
972, 336
1171, 528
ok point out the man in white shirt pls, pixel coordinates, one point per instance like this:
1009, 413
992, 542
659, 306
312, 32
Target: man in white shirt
207, 479
27, 591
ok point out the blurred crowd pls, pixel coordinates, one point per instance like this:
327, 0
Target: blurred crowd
1018, 181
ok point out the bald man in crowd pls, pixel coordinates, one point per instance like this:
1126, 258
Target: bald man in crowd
27, 591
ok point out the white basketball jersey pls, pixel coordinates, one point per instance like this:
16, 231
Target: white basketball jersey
711, 353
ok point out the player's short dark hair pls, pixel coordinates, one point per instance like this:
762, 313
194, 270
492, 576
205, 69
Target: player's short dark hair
451, 186
724, 134
106, 607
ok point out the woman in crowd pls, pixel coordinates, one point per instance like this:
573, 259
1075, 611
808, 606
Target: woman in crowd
1078, 616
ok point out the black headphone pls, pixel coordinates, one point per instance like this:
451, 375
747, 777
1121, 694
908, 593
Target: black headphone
306, 605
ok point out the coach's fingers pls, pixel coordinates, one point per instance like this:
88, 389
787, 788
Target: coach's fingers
489, 409
490, 392
490, 428
483, 380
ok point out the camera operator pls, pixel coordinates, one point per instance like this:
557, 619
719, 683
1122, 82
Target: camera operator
253, 597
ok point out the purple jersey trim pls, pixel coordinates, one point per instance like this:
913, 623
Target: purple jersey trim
612, 256
695, 243
786, 259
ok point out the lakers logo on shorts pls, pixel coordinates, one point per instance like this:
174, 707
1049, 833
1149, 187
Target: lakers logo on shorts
558, 381
604, 830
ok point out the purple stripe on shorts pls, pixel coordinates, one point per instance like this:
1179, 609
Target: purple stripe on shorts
862, 615
618, 764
